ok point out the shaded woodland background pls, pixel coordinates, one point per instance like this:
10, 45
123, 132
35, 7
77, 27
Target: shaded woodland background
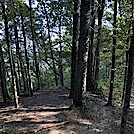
85, 46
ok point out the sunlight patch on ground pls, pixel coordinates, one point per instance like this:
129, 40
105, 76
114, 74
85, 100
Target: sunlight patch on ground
83, 121
97, 130
61, 107
61, 132
51, 125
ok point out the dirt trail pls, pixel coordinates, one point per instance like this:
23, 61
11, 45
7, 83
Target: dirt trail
48, 112
37, 114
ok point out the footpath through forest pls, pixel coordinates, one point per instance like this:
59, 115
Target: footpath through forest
49, 112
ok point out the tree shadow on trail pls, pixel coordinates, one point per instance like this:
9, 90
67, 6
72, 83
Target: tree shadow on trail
36, 110
42, 111
47, 99
4, 105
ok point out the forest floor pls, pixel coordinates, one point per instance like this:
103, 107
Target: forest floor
48, 112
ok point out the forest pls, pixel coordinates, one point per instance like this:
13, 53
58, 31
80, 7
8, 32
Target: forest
67, 66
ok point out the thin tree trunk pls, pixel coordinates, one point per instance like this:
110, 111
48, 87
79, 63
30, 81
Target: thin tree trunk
21, 70
125, 78
130, 72
17, 54
90, 55
97, 51
83, 49
10, 56
109, 103
126, 65
125, 71
75, 42
60, 52
34, 47
26, 53
50, 42
26, 77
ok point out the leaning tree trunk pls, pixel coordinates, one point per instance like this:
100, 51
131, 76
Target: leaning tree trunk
109, 103
26, 53
129, 80
74, 51
82, 52
10, 56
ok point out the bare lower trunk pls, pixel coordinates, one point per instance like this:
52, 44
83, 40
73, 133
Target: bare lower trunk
34, 48
10, 57
75, 41
130, 73
90, 55
97, 51
82, 52
125, 79
26, 54
3, 77
109, 103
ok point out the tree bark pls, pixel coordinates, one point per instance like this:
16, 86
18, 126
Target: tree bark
60, 46
10, 56
130, 72
3, 77
75, 42
34, 48
109, 103
26, 53
83, 49
90, 55
17, 54
97, 51
125, 78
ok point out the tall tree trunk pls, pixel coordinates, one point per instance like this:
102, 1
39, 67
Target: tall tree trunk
125, 78
109, 103
82, 52
90, 53
60, 46
21, 70
129, 80
34, 48
126, 56
50, 42
26, 53
3, 77
25, 77
10, 56
97, 51
17, 54
75, 42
